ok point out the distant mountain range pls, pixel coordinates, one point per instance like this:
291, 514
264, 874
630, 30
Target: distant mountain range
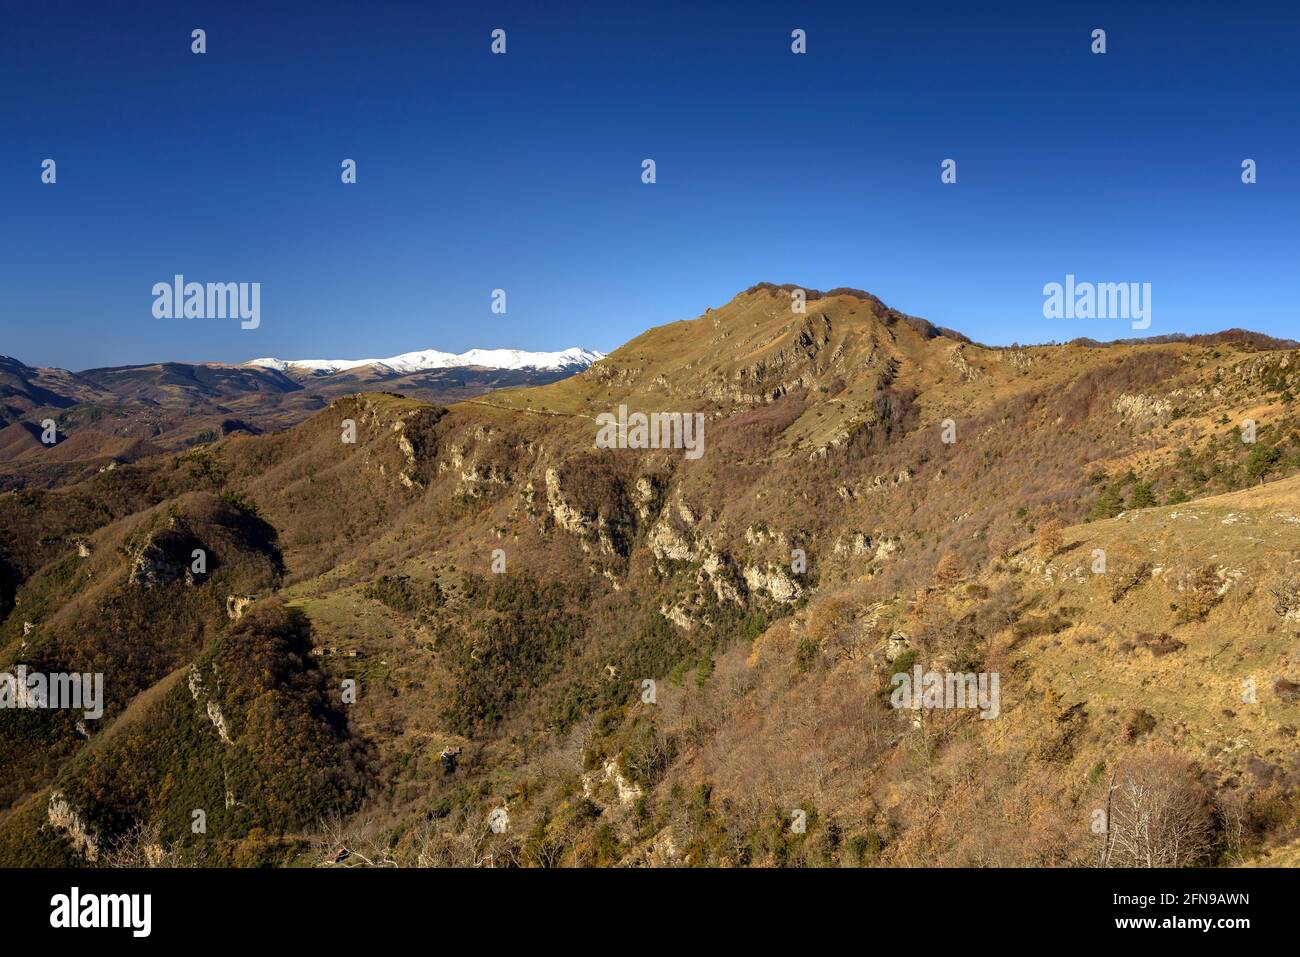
121, 413
574, 359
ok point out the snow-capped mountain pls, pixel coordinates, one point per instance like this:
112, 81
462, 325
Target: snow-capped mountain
408, 362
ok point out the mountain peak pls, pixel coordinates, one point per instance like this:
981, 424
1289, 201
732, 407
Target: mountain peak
890, 315
814, 294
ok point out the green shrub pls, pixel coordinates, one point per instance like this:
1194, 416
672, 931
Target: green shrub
1143, 496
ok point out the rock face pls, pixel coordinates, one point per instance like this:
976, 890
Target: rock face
589, 526
407, 437
796, 366
219, 722
668, 543
857, 543
887, 548
678, 615
957, 359
774, 582
212, 708
1142, 408
626, 791
645, 497
66, 819
896, 646
153, 567
235, 605
719, 569
1017, 358
565, 515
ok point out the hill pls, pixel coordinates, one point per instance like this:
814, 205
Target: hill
646, 657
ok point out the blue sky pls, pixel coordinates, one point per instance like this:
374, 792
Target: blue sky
522, 171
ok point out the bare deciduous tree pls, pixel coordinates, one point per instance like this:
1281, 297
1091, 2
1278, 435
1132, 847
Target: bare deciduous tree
341, 842
141, 846
1160, 814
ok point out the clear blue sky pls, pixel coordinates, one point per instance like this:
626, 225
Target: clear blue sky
523, 171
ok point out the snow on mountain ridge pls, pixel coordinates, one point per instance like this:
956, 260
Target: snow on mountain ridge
433, 359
